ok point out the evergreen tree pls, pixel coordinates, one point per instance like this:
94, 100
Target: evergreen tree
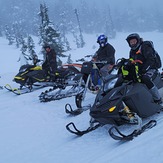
109, 26
48, 35
31, 47
17, 33
24, 14
9, 35
24, 57
62, 28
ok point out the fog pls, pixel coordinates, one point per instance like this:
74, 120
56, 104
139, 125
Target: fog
125, 15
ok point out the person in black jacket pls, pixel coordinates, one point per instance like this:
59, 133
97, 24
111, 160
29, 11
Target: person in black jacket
105, 53
147, 68
50, 63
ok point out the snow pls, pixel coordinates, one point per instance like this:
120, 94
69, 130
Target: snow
34, 132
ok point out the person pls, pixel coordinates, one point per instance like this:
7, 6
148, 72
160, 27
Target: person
105, 53
147, 68
50, 63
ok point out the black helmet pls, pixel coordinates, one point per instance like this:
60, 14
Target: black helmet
134, 36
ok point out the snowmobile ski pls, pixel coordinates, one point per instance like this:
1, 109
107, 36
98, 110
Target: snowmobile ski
122, 137
20, 91
77, 132
17, 91
69, 110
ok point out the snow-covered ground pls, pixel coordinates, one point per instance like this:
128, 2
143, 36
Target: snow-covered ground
34, 132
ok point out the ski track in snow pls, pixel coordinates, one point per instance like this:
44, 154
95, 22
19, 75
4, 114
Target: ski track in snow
34, 132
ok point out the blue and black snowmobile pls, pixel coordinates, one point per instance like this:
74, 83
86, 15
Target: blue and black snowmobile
129, 103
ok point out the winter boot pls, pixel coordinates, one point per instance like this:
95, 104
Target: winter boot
156, 96
128, 115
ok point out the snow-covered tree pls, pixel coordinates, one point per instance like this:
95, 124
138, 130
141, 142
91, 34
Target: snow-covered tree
9, 35
17, 33
63, 28
24, 57
109, 26
31, 46
47, 33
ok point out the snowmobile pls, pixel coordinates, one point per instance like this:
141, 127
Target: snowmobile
78, 84
29, 77
93, 82
123, 105
89, 78
32, 77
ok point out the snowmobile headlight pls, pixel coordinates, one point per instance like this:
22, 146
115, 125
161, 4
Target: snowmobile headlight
112, 109
110, 84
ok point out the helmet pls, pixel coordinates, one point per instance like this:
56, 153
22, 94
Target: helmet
134, 36
102, 40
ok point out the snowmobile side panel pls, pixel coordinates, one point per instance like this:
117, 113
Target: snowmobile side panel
140, 101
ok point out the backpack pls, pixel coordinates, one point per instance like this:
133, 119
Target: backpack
158, 63
129, 70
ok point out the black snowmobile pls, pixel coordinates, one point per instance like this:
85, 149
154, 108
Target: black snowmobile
29, 77
30, 74
32, 77
129, 103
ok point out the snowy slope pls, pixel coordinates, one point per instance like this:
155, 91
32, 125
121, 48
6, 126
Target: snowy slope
34, 132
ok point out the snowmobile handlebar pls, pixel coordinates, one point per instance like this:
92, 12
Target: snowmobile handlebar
98, 62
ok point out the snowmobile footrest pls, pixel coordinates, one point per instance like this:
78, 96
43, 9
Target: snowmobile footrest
135, 133
78, 132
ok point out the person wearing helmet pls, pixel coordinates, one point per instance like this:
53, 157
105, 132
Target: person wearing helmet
143, 53
50, 63
105, 53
